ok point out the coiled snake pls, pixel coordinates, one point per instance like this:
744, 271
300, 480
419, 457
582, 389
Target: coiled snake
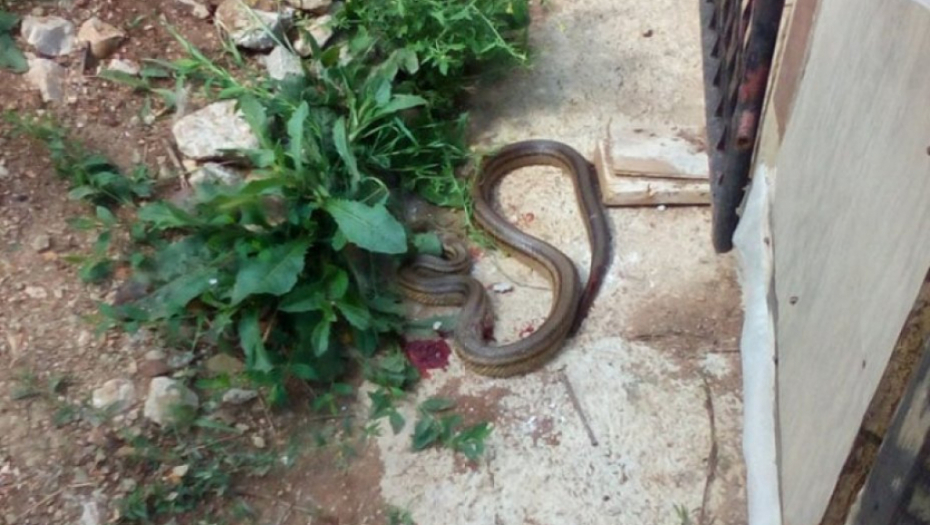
444, 281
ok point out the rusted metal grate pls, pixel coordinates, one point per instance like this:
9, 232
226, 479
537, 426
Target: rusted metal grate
738, 42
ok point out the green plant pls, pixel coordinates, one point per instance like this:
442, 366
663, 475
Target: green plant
10, 56
92, 176
432, 429
293, 265
684, 517
399, 516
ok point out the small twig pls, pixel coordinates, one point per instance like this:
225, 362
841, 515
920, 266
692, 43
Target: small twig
306, 510
577, 405
274, 429
176, 160
36, 505
712, 455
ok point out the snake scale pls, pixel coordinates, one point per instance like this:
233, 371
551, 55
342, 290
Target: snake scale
445, 281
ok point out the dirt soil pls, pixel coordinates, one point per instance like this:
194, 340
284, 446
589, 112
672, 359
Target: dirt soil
54, 473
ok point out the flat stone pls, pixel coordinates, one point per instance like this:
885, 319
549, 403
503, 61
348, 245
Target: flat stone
213, 173
41, 242
48, 77
123, 66
238, 396
206, 133
116, 394
197, 9
51, 36
165, 396
251, 28
281, 62
320, 29
153, 367
224, 364
309, 5
103, 38
36, 292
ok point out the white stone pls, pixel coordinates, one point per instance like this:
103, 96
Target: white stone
239, 396
320, 29
197, 9
309, 5
165, 396
103, 38
213, 173
36, 292
281, 62
116, 394
41, 242
49, 35
251, 28
123, 66
48, 77
207, 132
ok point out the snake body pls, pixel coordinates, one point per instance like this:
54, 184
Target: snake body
435, 280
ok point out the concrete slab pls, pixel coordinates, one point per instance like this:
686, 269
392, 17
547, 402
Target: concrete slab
655, 367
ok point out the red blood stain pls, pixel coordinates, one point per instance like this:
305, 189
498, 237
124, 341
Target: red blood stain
475, 253
527, 218
527, 330
428, 354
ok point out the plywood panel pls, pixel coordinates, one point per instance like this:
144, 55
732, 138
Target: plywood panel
851, 231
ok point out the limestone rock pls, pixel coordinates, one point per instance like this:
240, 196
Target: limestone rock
251, 28
224, 364
166, 395
48, 77
123, 66
319, 29
309, 5
50, 35
207, 132
238, 396
281, 62
116, 394
103, 38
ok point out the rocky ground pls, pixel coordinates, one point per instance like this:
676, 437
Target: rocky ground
83, 413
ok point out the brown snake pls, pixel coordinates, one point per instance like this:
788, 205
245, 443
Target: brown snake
434, 280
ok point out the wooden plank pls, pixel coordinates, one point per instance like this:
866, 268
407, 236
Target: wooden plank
849, 220
647, 182
889, 490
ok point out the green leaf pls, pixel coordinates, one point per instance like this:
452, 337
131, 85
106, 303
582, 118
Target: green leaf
369, 227
340, 140
400, 103
428, 244
295, 134
304, 298
164, 216
426, 432
273, 271
343, 389
437, 404
337, 282
320, 337
254, 113
304, 371
397, 421
105, 216
174, 296
250, 337
7, 21
355, 311
10, 56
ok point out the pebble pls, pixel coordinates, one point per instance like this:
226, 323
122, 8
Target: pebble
220, 364
239, 396
155, 355
153, 367
41, 242
251, 28
206, 133
103, 38
258, 441
180, 360
51, 36
320, 29
36, 292
309, 5
502, 287
165, 395
48, 77
281, 62
116, 394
